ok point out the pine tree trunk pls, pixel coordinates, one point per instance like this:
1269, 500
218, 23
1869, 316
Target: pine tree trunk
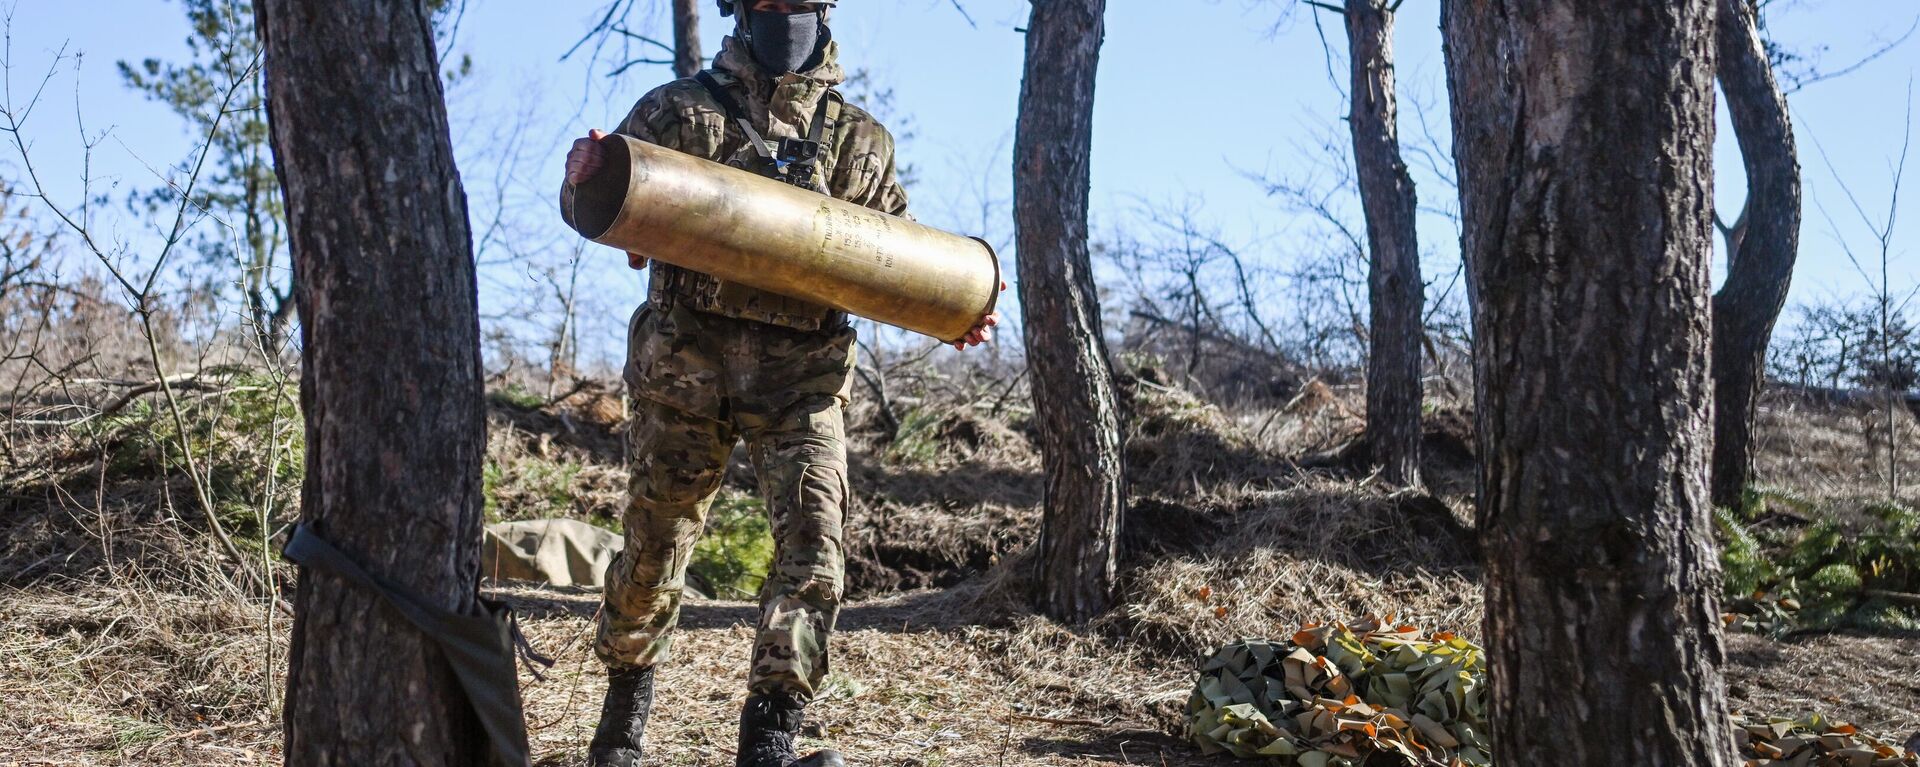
390, 376
1394, 286
686, 37
1071, 375
1761, 255
1584, 139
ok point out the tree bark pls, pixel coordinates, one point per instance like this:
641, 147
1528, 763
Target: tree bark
1584, 138
1761, 249
390, 377
1393, 282
686, 37
1072, 377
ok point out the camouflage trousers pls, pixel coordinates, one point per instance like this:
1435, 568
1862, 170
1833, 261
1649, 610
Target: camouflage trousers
700, 382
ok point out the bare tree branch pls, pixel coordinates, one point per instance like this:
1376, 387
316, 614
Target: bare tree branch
142, 295
963, 13
1813, 76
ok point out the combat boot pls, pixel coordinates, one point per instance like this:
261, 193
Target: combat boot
623, 718
769, 724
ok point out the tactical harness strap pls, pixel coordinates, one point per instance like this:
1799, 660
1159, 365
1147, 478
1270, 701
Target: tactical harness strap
732, 107
778, 161
825, 114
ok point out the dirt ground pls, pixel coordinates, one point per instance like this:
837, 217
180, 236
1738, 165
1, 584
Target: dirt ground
905, 690
902, 692
910, 688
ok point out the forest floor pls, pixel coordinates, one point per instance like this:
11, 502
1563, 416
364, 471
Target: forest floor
910, 688
122, 643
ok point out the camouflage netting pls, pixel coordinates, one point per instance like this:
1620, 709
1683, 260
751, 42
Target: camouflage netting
1345, 695
1815, 742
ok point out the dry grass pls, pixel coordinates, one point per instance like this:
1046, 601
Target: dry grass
89, 680
1834, 453
136, 675
1870, 681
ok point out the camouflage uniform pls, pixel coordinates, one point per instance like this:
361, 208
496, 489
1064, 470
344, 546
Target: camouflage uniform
711, 362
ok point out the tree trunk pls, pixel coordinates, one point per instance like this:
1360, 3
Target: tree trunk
1072, 377
1584, 139
686, 37
390, 377
1394, 286
1761, 255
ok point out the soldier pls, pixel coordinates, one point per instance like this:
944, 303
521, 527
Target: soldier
711, 362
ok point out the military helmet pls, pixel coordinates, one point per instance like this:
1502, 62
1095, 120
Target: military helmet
726, 6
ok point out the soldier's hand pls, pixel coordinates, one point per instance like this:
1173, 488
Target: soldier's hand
586, 157
982, 332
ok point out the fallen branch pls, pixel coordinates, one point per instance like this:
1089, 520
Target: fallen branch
579, 385
141, 389
201, 388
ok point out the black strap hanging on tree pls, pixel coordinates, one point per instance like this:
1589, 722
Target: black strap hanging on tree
481, 647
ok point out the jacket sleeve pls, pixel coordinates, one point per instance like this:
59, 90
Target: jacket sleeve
888, 195
867, 159
640, 120
673, 117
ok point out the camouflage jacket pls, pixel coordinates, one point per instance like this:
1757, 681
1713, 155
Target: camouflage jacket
683, 116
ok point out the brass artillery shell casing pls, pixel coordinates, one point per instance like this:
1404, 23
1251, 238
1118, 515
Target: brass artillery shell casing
743, 228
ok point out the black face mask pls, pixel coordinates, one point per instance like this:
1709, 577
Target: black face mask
783, 43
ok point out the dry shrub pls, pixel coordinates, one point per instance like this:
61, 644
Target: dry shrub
60, 544
1315, 420
1178, 443
1321, 550
894, 546
90, 501
1253, 563
932, 518
554, 461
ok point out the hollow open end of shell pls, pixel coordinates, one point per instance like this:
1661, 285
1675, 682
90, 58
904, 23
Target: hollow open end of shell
597, 202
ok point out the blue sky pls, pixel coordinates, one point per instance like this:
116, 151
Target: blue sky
1193, 96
